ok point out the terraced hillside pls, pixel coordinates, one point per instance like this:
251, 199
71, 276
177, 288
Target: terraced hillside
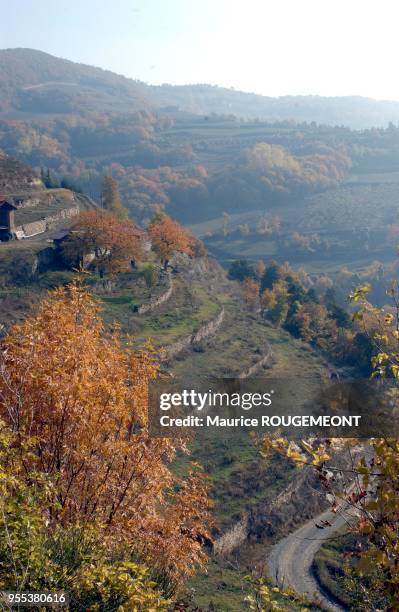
243, 484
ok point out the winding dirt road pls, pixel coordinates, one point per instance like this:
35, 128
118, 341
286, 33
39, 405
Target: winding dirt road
290, 561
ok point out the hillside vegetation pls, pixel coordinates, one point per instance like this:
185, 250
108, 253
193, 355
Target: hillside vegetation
298, 213
239, 483
35, 82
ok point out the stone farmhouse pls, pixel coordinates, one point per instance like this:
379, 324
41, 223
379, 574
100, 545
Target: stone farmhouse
18, 221
27, 208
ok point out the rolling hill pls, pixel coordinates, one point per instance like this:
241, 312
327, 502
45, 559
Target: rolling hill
32, 81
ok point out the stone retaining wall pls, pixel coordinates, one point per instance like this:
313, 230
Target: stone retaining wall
39, 227
157, 301
207, 329
231, 539
258, 365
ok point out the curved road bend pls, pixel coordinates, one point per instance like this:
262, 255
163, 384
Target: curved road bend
291, 559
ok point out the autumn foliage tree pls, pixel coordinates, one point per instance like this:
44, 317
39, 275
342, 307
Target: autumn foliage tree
80, 397
111, 199
168, 237
115, 244
312, 323
275, 302
250, 292
368, 497
260, 268
35, 552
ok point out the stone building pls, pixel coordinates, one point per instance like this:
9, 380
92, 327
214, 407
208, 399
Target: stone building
18, 222
7, 220
27, 208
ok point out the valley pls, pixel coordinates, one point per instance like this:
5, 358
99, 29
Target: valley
219, 235
241, 483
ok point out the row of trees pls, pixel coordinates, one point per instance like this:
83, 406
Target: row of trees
113, 243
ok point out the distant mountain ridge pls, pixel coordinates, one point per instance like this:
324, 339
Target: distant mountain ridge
32, 81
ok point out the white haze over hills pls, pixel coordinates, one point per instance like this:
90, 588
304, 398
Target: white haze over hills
32, 81
269, 47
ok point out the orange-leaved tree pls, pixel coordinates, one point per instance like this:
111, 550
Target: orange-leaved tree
81, 395
250, 292
260, 269
114, 243
168, 237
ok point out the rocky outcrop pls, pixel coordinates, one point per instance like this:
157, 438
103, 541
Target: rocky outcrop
204, 331
17, 177
189, 268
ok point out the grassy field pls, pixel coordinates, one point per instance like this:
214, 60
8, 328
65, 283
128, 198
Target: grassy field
353, 207
51, 203
329, 262
241, 480
217, 129
215, 225
352, 222
224, 588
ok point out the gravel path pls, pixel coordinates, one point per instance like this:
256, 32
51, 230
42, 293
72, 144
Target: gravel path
291, 559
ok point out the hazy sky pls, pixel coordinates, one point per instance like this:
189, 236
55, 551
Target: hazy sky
272, 47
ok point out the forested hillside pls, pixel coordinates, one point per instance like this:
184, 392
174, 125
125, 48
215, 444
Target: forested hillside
325, 197
35, 82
